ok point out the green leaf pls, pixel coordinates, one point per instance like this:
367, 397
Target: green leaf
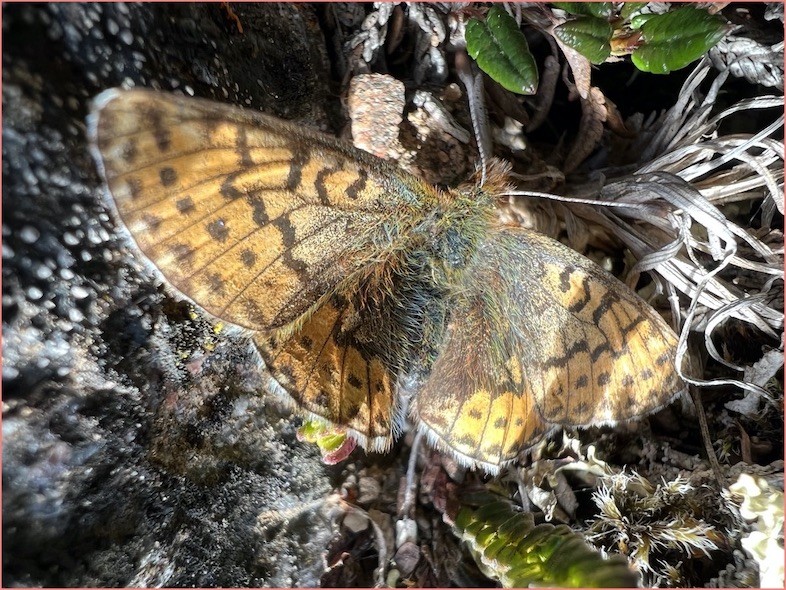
638, 20
675, 39
630, 8
310, 431
598, 9
328, 439
509, 547
500, 49
588, 35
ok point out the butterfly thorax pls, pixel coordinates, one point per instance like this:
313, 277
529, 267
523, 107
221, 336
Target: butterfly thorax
464, 218
451, 233
448, 240
420, 256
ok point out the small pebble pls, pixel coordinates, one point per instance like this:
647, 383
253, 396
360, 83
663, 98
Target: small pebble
407, 558
78, 292
355, 522
376, 108
368, 490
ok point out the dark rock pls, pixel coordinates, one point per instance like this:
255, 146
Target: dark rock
132, 455
407, 558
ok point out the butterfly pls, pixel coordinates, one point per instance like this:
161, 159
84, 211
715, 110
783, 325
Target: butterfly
362, 287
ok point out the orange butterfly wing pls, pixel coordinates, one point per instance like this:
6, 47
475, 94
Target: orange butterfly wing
541, 336
267, 226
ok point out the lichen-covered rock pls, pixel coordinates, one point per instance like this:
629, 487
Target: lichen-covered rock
139, 449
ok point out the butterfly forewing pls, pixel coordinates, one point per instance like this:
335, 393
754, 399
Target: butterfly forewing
604, 354
250, 217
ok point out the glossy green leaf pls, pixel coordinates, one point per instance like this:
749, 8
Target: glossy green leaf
638, 20
598, 9
500, 49
512, 549
588, 35
675, 39
629, 9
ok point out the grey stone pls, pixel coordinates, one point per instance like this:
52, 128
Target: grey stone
124, 462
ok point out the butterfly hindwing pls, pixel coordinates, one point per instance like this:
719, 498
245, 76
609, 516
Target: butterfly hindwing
475, 403
332, 370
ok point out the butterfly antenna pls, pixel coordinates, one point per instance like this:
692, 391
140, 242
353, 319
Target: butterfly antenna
472, 78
